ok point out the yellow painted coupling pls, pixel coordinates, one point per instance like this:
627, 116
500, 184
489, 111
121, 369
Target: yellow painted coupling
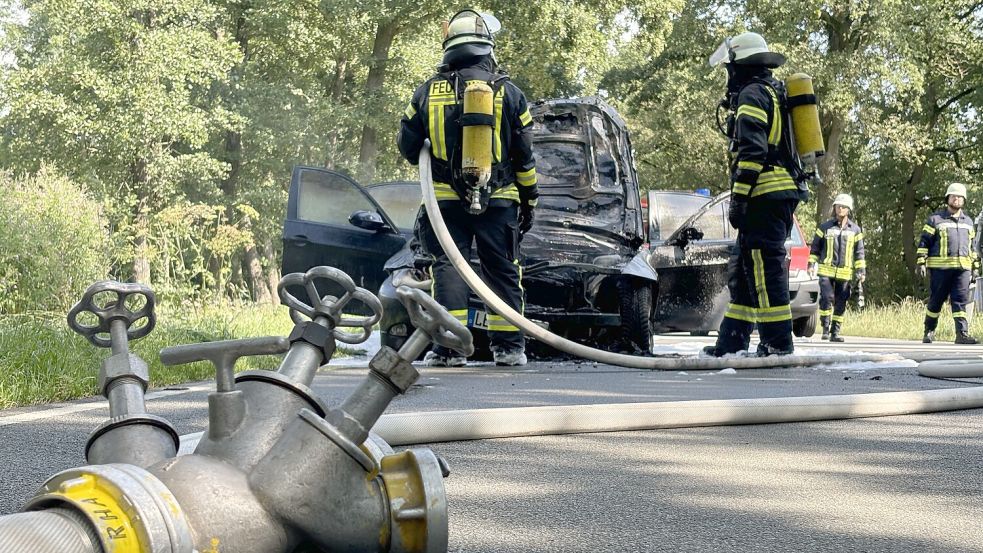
805, 117
418, 508
477, 127
128, 508
107, 509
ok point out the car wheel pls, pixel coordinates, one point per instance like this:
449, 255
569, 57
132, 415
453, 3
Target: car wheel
636, 311
805, 326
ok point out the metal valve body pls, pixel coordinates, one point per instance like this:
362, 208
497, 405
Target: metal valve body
276, 471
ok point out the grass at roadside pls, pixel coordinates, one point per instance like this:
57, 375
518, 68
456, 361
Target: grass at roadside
903, 320
42, 361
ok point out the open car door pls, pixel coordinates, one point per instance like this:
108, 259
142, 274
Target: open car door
692, 266
331, 220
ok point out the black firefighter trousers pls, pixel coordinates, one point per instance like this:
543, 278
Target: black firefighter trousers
954, 285
758, 281
833, 295
496, 235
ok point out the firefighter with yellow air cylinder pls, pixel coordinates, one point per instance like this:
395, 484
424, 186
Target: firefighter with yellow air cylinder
947, 250
837, 253
769, 178
484, 175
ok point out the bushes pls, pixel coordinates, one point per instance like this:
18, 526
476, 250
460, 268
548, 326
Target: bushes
53, 242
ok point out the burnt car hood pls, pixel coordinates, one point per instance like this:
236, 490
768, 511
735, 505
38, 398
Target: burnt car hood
588, 216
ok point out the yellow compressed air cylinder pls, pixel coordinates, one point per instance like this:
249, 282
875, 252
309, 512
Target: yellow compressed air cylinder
805, 117
476, 139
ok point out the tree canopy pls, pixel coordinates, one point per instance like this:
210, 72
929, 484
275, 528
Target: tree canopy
184, 117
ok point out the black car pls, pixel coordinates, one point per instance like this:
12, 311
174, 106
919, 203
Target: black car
583, 268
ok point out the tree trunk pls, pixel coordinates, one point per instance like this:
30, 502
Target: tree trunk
259, 283
141, 263
829, 169
272, 270
908, 212
384, 36
336, 93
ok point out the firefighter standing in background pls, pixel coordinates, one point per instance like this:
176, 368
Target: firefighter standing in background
764, 195
492, 210
948, 250
838, 250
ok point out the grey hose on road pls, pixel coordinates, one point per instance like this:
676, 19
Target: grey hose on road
493, 302
963, 368
478, 424
404, 429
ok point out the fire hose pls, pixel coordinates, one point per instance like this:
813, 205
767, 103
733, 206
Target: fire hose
494, 303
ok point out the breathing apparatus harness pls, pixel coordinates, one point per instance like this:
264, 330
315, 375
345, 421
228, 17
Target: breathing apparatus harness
475, 175
785, 153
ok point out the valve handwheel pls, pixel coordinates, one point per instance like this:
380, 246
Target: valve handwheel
331, 307
117, 308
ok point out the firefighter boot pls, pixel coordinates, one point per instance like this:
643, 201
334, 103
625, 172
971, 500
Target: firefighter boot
929, 337
825, 321
834, 332
965, 338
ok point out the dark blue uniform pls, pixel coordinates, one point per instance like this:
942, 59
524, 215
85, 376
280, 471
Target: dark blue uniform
838, 250
764, 197
434, 113
948, 248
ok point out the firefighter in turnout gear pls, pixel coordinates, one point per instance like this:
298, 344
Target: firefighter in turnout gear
947, 250
474, 115
764, 194
837, 254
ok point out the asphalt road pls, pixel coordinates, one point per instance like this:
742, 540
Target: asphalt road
910, 483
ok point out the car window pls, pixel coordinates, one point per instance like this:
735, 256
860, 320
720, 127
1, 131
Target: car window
713, 224
669, 210
399, 200
329, 198
795, 239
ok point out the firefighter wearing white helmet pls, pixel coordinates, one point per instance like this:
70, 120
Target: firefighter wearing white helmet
837, 255
947, 250
764, 196
484, 174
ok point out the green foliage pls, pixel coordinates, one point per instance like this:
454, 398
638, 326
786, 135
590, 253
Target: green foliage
41, 360
53, 242
175, 113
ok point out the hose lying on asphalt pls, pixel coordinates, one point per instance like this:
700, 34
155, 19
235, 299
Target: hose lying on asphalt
403, 429
494, 303
963, 368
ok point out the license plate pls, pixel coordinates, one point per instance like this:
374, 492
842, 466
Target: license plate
477, 319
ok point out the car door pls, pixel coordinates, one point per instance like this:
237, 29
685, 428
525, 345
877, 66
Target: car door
692, 267
331, 220
667, 210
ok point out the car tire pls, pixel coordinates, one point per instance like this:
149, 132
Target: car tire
635, 298
805, 327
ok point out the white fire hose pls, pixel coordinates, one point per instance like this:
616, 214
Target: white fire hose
494, 303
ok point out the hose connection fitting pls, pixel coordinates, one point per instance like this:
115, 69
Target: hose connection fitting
277, 470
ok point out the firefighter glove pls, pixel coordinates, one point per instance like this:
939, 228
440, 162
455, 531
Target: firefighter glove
737, 213
525, 218
921, 270
812, 270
